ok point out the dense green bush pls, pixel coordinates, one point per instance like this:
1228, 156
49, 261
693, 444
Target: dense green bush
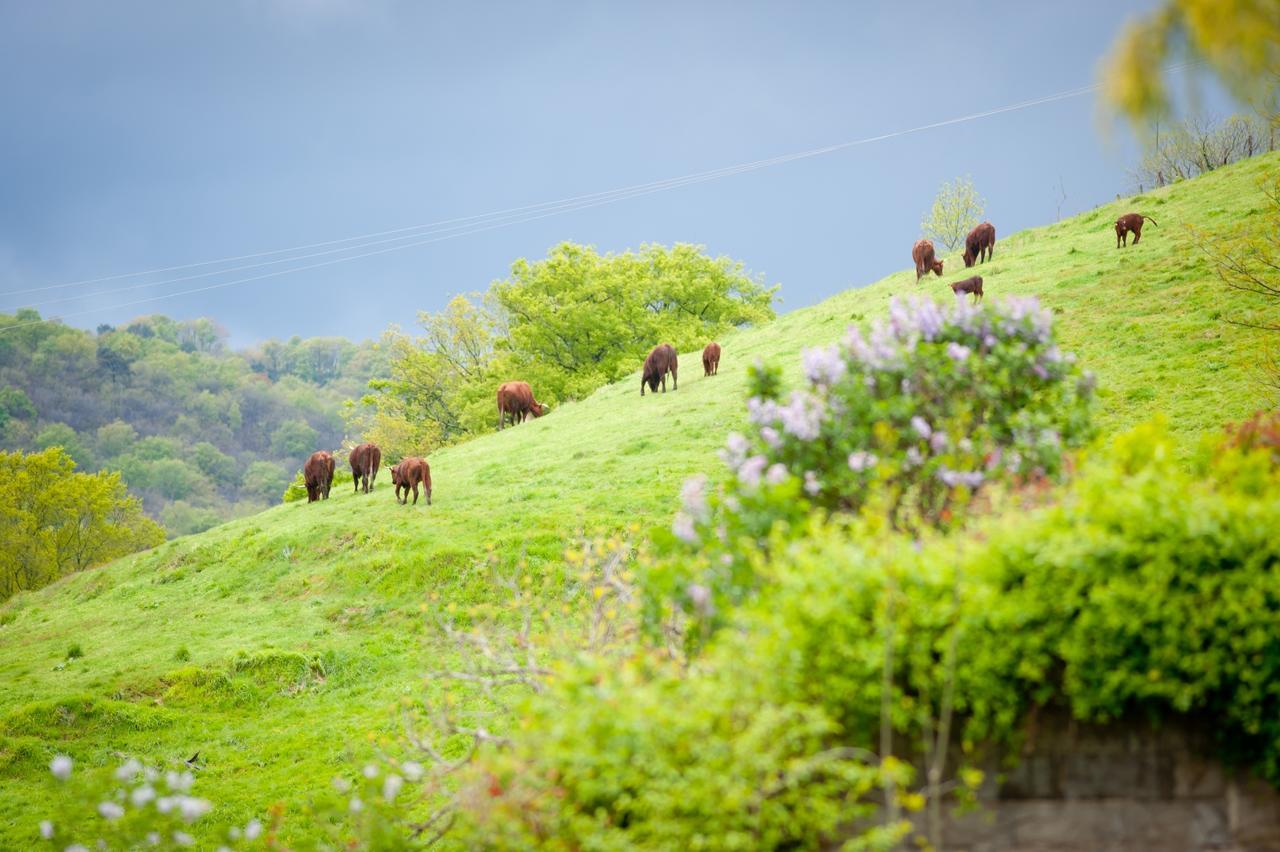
1145, 589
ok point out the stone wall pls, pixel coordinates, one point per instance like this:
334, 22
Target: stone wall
1118, 787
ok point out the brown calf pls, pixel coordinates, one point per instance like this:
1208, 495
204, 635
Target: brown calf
408, 474
980, 244
365, 460
711, 359
969, 285
661, 360
317, 473
1130, 222
516, 399
922, 254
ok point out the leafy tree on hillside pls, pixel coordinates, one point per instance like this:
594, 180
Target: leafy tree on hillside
265, 480
567, 324
62, 435
55, 521
956, 211
294, 439
116, 438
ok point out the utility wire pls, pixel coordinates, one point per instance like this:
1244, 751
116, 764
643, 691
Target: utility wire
466, 225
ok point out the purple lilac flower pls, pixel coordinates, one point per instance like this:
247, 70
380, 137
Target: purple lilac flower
823, 365
735, 450
1040, 371
922, 427
802, 416
861, 460
938, 442
750, 471
956, 478
700, 597
694, 497
776, 474
811, 484
760, 411
914, 459
771, 436
684, 529
958, 352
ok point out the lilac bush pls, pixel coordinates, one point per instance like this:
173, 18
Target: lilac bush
906, 420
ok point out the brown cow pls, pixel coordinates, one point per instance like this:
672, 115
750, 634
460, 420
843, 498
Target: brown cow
365, 460
711, 359
1130, 222
980, 244
969, 285
922, 254
661, 360
408, 474
516, 399
317, 473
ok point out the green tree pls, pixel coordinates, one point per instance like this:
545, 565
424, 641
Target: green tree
292, 439
217, 465
173, 479
955, 212
56, 521
62, 435
265, 481
116, 438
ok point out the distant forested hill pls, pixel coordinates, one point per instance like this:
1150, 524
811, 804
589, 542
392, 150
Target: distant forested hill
200, 432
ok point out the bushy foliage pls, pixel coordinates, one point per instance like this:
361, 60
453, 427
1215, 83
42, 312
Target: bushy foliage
907, 421
55, 521
956, 210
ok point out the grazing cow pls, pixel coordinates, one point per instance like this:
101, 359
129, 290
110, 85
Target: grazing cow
365, 460
1130, 222
516, 399
317, 473
980, 244
661, 360
408, 474
922, 254
969, 285
711, 359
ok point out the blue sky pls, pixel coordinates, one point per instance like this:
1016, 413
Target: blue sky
148, 134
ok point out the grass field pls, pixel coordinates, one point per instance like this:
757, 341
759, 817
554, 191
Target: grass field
275, 644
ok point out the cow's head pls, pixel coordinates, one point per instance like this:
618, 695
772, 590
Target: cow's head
937, 267
968, 258
538, 409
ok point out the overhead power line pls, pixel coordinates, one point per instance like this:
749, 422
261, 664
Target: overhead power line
446, 229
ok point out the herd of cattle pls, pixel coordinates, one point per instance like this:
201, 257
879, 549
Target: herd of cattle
516, 402
980, 244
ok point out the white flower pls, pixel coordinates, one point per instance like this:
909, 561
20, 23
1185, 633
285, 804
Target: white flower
811, 484
141, 795
370, 771
46, 829
110, 810
700, 597
252, 830
76, 847
694, 496
183, 839
356, 805
823, 365
153, 838
751, 471
683, 528
922, 427
412, 770
391, 787
60, 766
179, 782
128, 770
192, 808
861, 460
341, 784
164, 804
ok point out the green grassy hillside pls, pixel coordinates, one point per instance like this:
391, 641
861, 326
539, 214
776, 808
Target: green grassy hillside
275, 645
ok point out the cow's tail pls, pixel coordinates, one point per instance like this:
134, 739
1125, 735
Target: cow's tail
1152, 221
